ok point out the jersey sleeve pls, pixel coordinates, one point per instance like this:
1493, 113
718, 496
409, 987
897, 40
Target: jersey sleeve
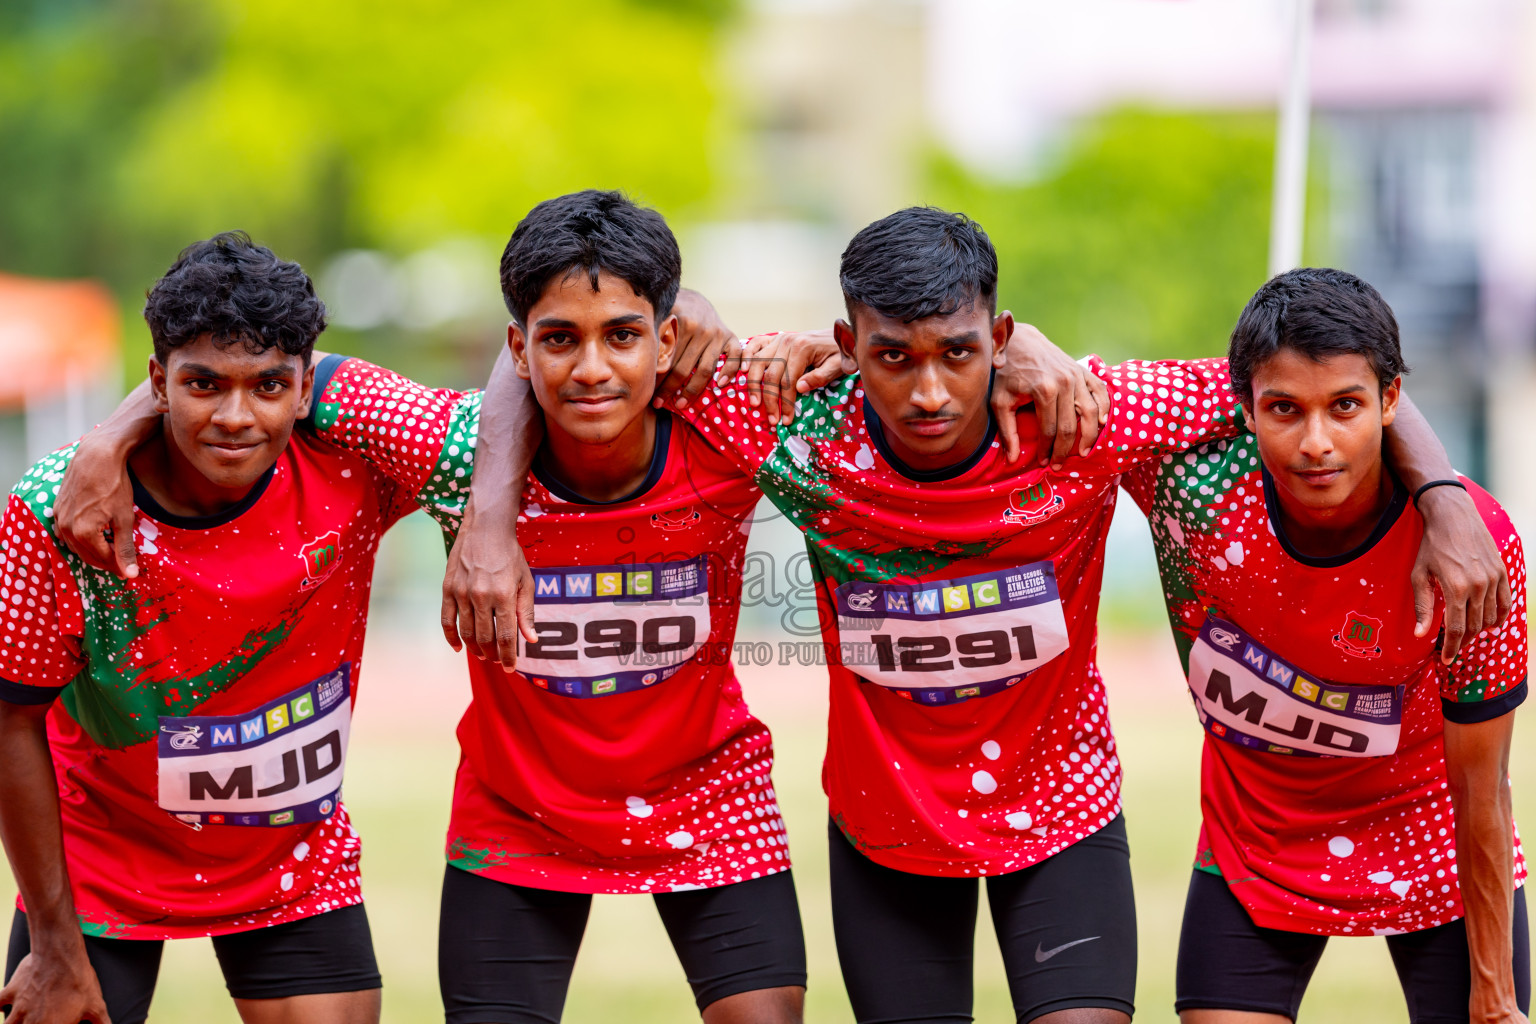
399, 427
41, 618
740, 431
1488, 677
1163, 407
445, 491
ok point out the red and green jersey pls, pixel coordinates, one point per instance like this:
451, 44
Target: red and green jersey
203, 708
1323, 790
968, 731
620, 757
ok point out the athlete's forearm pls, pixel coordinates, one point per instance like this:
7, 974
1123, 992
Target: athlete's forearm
1070, 403
1477, 766
30, 828
511, 428
1413, 450
487, 588
1457, 552
94, 511
702, 338
133, 422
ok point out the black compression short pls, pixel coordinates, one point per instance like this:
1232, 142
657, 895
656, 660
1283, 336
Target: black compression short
1226, 962
505, 952
330, 952
1067, 928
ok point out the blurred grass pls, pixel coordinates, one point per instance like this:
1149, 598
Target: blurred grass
402, 763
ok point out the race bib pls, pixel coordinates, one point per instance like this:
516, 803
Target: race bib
277, 765
943, 641
615, 628
1247, 695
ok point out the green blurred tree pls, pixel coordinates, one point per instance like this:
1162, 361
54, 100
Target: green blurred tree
131, 127
1145, 239
75, 79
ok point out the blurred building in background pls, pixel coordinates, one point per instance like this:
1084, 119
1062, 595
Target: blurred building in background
1425, 133
830, 136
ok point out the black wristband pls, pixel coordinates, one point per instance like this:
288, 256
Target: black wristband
1436, 483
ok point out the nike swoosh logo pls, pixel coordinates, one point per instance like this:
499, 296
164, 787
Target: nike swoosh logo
1042, 954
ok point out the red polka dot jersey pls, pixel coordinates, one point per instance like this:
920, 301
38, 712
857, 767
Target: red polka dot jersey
968, 730
1337, 845
242, 632
621, 756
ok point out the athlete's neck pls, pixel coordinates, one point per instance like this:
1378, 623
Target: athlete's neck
1337, 529
181, 489
606, 471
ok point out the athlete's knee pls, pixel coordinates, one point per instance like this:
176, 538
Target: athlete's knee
1082, 1015
1203, 1016
362, 1007
783, 1005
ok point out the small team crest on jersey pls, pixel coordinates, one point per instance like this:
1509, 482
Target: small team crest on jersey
321, 556
1033, 503
676, 519
1360, 637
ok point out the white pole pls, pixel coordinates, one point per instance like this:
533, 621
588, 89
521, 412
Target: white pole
1289, 212
74, 405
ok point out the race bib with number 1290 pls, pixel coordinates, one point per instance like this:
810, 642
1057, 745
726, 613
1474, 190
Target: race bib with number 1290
942, 641
610, 629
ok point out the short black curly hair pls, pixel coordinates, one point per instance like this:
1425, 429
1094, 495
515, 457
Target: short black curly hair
588, 232
237, 291
1319, 312
920, 262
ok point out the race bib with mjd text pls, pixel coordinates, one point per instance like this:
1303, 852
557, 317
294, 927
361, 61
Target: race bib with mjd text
1246, 694
942, 641
278, 764
615, 628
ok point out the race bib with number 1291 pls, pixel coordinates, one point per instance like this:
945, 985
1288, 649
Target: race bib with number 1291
942, 641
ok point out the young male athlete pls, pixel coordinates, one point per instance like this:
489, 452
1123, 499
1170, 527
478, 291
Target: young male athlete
1352, 783
171, 746
968, 733
621, 756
